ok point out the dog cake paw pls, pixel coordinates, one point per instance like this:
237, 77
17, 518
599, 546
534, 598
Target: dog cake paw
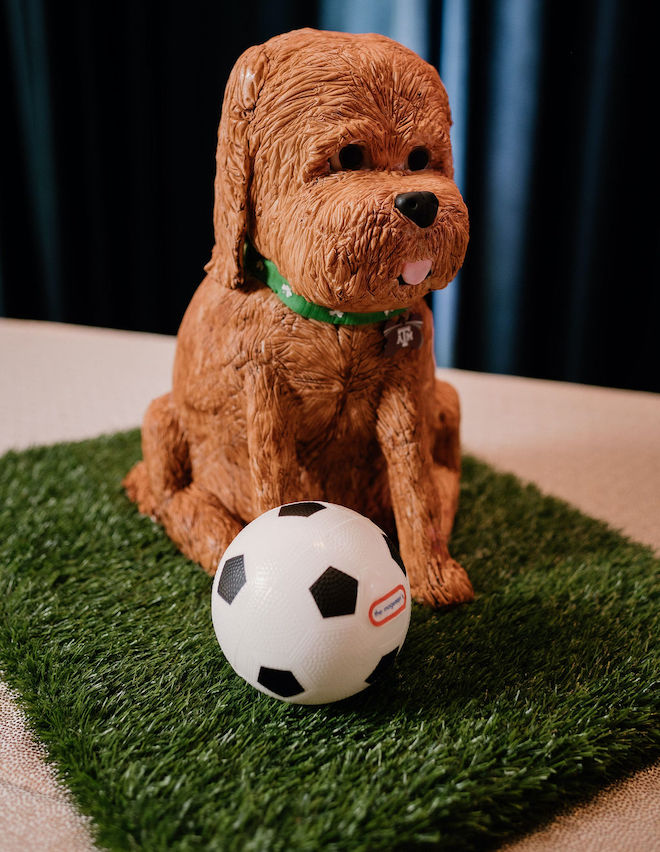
443, 584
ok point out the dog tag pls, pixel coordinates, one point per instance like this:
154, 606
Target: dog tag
403, 332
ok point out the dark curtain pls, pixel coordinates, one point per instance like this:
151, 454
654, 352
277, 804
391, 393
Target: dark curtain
106, 175
106, 189
579, 299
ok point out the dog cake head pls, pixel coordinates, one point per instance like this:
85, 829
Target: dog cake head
334, 158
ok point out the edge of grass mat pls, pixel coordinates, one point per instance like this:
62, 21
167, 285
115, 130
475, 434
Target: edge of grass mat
498, 713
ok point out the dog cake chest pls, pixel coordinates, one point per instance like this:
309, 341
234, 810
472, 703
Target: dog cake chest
310, 376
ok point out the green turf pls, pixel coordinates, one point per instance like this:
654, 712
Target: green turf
497, 713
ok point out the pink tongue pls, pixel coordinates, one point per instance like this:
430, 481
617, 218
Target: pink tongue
415, 272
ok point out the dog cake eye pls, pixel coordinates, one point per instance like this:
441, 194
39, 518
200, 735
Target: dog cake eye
350, 157
418, 159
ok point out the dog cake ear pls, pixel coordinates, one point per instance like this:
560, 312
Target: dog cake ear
233, 167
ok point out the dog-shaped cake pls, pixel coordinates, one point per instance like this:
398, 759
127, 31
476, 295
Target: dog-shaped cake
304, 366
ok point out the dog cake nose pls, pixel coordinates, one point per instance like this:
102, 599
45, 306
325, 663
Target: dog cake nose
420, 207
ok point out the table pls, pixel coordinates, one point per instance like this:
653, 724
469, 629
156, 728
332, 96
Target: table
597, 448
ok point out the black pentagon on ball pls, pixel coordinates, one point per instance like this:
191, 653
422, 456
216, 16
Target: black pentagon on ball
302, 510
280, 681
394, 553
384, 664
335, 593
232, 578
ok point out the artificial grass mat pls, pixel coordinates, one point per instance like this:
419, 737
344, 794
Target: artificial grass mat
496, 714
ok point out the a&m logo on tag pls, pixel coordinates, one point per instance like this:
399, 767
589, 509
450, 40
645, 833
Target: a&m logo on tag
404, 332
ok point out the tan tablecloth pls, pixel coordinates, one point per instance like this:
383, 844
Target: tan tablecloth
597, 448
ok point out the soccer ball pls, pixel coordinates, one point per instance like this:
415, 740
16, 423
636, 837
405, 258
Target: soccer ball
311, 602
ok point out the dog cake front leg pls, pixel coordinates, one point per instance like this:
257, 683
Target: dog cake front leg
271, 440
435, 578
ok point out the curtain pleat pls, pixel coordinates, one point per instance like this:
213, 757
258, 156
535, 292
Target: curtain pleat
591, 175
28, 45
509, 146
454, 66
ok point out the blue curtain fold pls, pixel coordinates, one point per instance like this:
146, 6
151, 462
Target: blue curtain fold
454, 67
509, 146
405, 21
27, 42
592, 166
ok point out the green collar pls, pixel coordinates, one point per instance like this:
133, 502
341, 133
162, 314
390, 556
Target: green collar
266, 271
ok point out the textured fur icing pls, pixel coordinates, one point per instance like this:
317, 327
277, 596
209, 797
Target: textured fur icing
269, 407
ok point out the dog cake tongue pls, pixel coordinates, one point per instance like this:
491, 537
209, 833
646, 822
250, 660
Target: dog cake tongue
414, 272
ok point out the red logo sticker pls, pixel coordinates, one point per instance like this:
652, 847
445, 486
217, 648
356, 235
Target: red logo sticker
387, 607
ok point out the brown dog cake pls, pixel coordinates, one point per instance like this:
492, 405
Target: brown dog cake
304, 367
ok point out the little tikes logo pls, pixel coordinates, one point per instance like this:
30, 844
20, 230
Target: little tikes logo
388, 607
